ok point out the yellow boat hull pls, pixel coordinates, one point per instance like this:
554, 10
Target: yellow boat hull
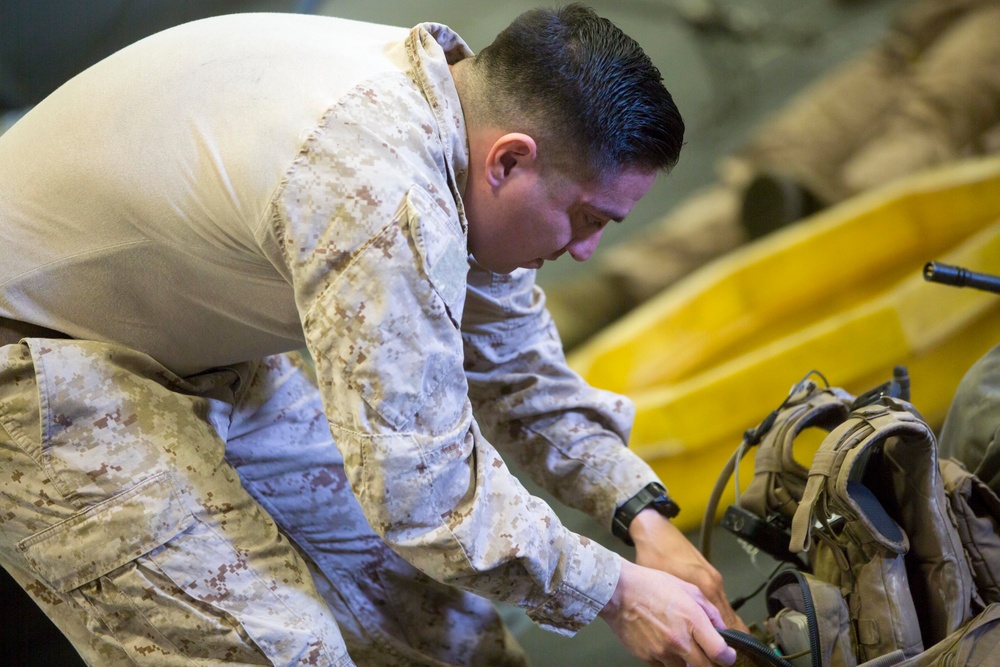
841, 292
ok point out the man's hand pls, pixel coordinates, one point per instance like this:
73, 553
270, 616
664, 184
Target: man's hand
660, 545
665, 621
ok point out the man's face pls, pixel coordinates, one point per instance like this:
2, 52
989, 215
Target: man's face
534, 219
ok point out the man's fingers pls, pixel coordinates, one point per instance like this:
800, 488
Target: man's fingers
714, 615
713, 645
696, 656
733, 621
665, 620
730, 618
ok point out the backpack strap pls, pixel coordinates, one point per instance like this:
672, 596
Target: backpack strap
823, 466
779, 480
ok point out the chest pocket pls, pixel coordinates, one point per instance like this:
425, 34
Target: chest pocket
388, 326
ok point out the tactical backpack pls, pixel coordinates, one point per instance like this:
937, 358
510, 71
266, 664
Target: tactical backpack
883, 565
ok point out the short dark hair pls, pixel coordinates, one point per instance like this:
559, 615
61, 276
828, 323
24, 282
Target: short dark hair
574, 80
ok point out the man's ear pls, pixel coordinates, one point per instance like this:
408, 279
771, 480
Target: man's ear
509, 153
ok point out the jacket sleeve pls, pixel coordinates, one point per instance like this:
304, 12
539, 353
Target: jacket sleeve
380, 289
568, 436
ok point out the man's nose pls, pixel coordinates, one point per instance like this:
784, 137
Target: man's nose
581, 249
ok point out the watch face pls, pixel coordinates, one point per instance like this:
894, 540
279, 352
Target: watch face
666, 507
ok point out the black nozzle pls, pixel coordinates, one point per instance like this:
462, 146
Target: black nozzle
956, 276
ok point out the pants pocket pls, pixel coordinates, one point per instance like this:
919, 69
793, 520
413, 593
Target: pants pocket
170, 588
104, 537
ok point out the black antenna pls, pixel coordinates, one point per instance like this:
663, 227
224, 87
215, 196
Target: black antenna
956, 276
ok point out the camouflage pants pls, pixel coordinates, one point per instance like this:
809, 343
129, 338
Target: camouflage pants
165, 520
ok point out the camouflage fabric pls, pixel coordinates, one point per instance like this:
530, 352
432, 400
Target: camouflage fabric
121, 516
340, 228
138, 500
392, 362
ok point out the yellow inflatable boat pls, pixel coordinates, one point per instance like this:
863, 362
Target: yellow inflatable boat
841, 292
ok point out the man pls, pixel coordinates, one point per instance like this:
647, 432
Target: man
180, 216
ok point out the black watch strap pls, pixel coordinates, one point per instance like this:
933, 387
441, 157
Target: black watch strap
652, 495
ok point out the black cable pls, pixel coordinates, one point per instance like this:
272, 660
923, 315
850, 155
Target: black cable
739, 602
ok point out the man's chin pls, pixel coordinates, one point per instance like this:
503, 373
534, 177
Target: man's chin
504, 268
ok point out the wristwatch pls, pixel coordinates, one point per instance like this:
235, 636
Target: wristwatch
652, 495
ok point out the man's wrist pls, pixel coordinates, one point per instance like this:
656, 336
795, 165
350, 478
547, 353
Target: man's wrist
652, 496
